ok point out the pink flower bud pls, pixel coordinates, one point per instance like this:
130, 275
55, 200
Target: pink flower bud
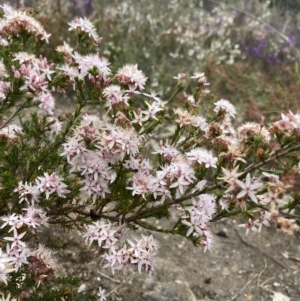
17, 74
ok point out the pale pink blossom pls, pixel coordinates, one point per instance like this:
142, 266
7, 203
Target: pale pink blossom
28, 193
249, 187
153, 109
89, 129
11, 131
284, 124
224, 201
84, 25
202, 156
23, 57
180, 77
16, 239
92, 120
95, 188
71, 72
176, 170
49, 184
207, 239
66, 49
167, 151
34, 82
251, 129
184, 117
87, 62
12, 220
14, 22
5, 266
119, 141
198, 215
190, 98
138, 117
4, 89
114, 259
250, 225
141, 184
35, 217
152, 96
224, 105
104, 233
140, 253
3, 42
288, 122
97, 166
162, 191
44, 255
101, 294
18, 255
46, 102
201, 123
264, 219
194, 225
132, 76
199, 186
3, 72
115, 96
201, 78
56, 126
42, 67
181, 184
230, 175
74, 151
137, 163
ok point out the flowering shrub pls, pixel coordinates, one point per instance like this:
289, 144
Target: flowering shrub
168, 38
139, 32
134, 161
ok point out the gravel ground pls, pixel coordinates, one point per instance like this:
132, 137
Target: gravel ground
240, 267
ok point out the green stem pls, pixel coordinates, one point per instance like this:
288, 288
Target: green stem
179, 89
13, 115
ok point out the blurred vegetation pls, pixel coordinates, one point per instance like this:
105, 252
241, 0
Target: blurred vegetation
292, 5
248, 50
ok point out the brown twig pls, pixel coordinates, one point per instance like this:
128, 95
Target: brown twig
238, 293
107, 277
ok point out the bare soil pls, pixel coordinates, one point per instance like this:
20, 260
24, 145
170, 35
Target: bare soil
259, 266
